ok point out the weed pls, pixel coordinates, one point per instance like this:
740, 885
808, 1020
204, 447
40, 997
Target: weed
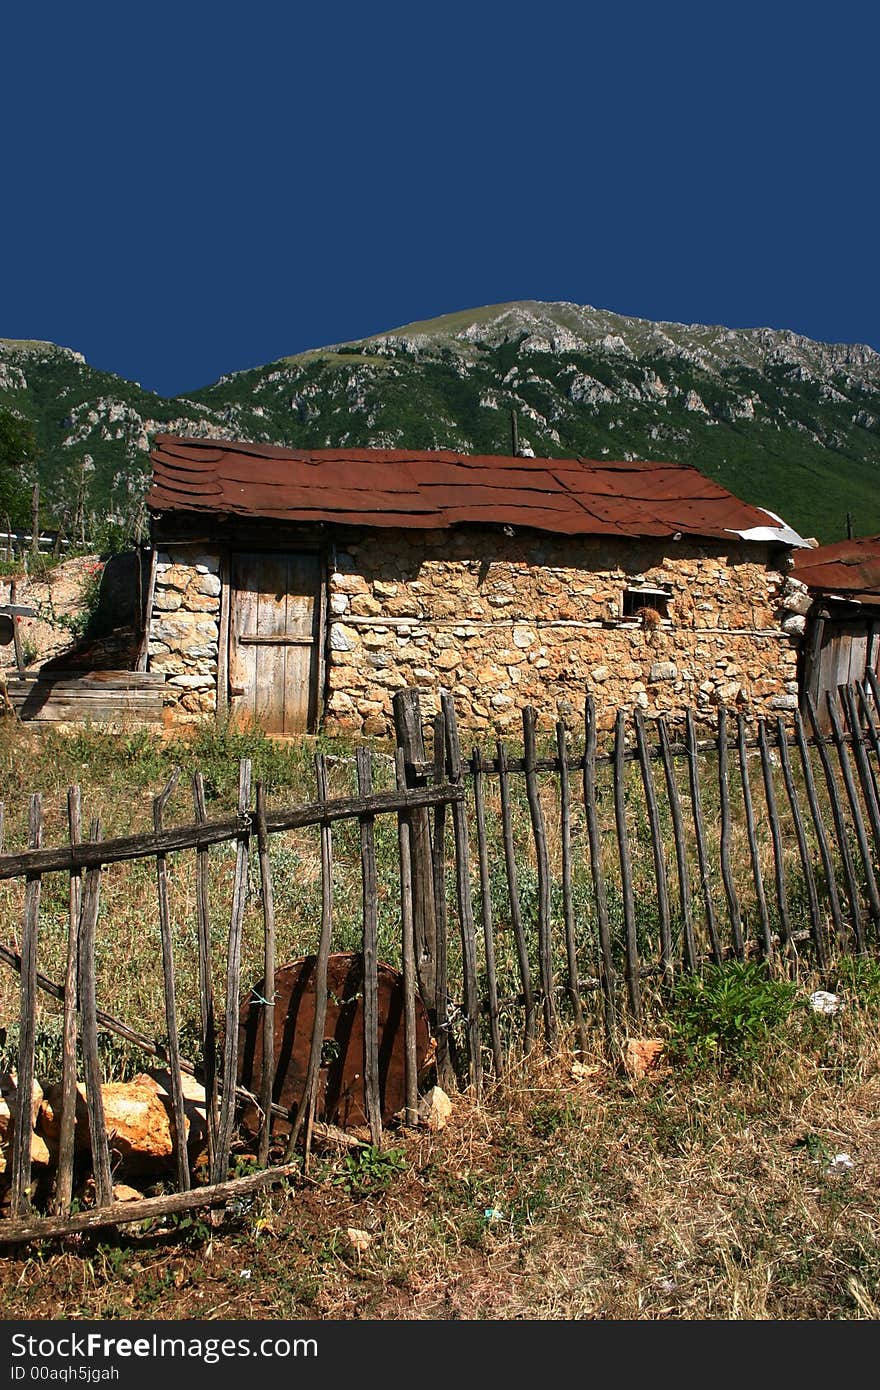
724, 1016
370, 1170
550, 1116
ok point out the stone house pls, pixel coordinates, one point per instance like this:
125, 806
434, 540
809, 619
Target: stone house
301, 589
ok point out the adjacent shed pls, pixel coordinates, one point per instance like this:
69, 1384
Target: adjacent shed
301, 588
842, 638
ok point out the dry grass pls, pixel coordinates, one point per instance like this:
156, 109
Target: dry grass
694, 1194
571, 1192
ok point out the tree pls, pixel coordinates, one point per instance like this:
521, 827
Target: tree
18, 457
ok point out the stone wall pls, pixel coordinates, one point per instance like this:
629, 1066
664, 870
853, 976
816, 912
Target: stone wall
503, 622
185, 628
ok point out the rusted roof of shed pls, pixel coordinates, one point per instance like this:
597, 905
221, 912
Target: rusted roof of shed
421, 489
849, 568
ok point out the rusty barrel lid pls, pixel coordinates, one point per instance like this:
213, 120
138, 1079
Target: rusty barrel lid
340, 1098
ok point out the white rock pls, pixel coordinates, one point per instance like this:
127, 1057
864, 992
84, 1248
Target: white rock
821, 1002
435, 1108
360, 1240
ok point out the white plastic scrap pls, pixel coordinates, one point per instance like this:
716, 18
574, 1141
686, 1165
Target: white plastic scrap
821, 1002
840, 1163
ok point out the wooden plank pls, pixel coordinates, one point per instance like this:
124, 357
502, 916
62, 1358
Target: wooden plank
684, 883
146, 1209
408, 732
23, 1133
539, 833
522, 954
776, 837
222, 702
233, 980
819, 827
206, 983
748, 806
321, 643
88, 1017
370, 934
87, 705
408, 956
93, 682
629, 911
840, 827
16, 634
486, 911
178, 1114
268, 1076
700, 836
657, 849
316, 1052
439, 1018
733, 907
870, 724
574, 992
465, 903
305, 1113
803, 846
144, 653
607, 973
855, 812
863, 767
63, 1191
88, 855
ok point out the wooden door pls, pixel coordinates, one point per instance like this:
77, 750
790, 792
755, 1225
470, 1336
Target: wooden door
848, 649
273, 639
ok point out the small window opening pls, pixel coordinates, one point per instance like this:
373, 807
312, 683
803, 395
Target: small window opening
637, 601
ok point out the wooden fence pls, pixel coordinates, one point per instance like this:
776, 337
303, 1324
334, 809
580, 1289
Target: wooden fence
539, 894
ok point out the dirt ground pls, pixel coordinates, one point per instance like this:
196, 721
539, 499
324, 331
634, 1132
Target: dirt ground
570, 1192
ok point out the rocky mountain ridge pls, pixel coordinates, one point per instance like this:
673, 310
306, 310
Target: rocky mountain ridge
784, 421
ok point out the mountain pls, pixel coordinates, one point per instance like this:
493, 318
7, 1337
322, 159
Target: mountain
784, 422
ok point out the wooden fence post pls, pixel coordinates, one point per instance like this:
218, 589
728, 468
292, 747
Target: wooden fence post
748, 807
24, 1125
545, 943
408, 732
370, 935
64, 1174
733, 908
633, 983
465, 903
220, 1170
856, 811
666, 955
803, 846
607, 973
840, 830
574, 989
175, 1088
522, 953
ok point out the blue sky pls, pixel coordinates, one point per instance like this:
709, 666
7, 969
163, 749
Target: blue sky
193, 188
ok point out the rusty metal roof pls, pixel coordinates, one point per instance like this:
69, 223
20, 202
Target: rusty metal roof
848, 568
420, 489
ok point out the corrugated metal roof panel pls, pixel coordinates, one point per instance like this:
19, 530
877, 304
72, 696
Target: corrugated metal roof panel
850, 567
438, 488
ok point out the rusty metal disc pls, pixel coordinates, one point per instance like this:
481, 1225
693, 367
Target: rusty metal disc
340, 1098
